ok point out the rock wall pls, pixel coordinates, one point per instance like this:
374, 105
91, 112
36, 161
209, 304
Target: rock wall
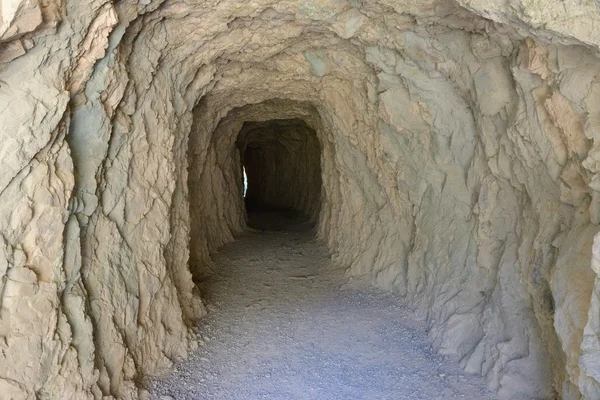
458, 166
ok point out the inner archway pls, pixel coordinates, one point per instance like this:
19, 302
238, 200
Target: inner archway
282, 161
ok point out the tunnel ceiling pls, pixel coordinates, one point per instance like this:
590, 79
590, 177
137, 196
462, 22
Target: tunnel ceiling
457, 167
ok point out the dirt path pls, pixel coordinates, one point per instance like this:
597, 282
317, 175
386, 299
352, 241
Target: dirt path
281, 327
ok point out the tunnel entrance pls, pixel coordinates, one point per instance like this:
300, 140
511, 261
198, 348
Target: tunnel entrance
281, 162
282, 147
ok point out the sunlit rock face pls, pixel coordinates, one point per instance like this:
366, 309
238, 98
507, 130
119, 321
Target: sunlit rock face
452, 143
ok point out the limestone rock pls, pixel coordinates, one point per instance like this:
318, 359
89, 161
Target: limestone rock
18, 17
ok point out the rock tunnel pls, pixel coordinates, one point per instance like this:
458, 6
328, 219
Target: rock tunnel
446, 150
281, 154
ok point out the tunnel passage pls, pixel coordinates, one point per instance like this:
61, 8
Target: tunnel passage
460, 162
287, 149
282, 162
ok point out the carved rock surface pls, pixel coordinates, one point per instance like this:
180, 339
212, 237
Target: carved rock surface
454, 161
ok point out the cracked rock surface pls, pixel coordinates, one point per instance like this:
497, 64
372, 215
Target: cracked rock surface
445, 150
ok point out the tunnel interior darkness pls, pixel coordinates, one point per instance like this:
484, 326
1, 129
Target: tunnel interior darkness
282, 162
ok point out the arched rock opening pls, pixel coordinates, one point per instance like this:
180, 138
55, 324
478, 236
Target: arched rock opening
458, 169
282, 159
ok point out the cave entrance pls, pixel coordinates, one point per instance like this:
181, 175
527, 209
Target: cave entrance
281, 162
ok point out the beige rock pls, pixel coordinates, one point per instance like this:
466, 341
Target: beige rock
18, 17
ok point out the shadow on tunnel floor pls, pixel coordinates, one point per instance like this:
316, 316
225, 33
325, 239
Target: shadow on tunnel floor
270, 219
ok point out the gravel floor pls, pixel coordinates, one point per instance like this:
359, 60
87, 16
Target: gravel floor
282, 325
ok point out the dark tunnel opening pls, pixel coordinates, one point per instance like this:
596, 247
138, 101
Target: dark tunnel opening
281, 160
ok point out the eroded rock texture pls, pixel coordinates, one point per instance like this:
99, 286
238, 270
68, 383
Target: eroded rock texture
456, 151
